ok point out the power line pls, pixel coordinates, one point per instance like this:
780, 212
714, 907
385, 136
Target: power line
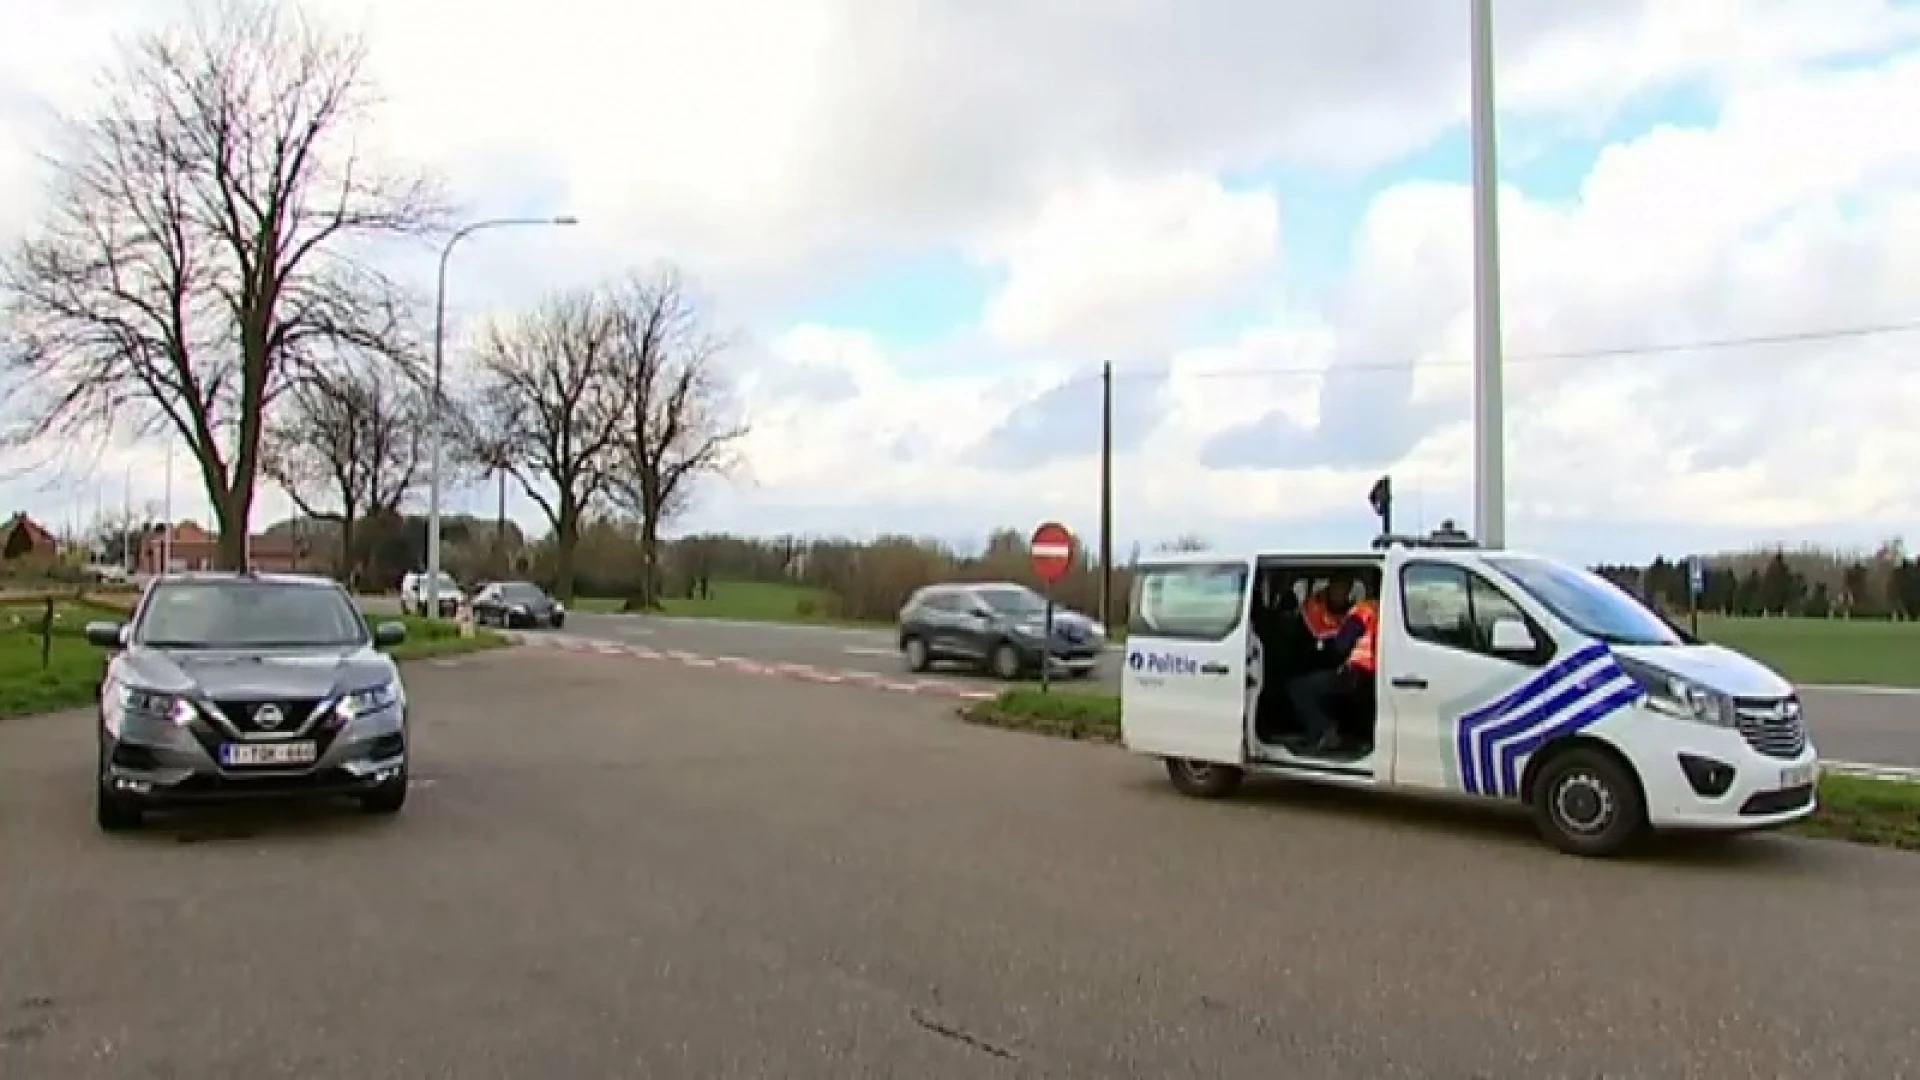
1803, 337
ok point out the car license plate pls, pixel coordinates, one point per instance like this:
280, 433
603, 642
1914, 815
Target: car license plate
286, 753
1798, 776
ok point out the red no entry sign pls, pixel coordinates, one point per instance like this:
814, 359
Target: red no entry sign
1052, 548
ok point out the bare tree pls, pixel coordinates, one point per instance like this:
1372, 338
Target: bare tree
345, 446
673, 423
204, 244
548, 408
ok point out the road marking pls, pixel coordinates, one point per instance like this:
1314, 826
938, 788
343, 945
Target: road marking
868, 650
1870, 770
1864, 691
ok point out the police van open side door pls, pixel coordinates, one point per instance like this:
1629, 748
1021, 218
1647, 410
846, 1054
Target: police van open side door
1184, 684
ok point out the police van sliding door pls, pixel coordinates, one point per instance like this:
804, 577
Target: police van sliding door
1184, 684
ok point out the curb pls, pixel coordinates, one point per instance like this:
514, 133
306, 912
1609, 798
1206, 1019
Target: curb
742, 665
1870, 771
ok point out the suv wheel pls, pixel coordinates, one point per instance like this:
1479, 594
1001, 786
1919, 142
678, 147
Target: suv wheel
388, 798
1005, 661
915, 651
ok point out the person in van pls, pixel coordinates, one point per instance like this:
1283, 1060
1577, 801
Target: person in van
1318, 696
1323, 613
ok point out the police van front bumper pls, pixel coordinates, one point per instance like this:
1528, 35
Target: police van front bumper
1729, 779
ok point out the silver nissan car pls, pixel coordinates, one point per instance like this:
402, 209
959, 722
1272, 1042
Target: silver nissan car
234, 686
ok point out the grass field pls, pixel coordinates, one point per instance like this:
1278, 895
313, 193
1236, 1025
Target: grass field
1884, 813
747, 601
73, 668
1829, 651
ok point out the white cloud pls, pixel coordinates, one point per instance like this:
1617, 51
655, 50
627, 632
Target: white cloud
1110, 268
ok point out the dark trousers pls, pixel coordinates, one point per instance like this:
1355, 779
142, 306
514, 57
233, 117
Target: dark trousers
1315, 696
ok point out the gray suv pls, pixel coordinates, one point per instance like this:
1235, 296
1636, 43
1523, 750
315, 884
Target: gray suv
226, 686
997, 626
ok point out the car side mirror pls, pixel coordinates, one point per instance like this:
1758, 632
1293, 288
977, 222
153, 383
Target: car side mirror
1511, 635
106, 634
389, 634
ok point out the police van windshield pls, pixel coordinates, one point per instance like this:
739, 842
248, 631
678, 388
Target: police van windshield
1588, 602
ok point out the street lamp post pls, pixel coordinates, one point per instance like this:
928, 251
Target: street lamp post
1489, 414
436, 435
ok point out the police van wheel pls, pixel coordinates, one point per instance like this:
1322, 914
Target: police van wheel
1204, 779
1586, 803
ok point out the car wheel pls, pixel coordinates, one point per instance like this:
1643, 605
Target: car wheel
388, 798
1204, 779
559, 621
1587, 803
1004, 661
915, 651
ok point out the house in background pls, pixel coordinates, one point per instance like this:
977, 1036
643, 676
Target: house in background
195, 548
23, 538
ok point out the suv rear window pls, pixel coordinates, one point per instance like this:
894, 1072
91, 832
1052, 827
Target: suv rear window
1198, 601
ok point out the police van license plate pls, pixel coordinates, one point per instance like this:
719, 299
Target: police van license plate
286, 753
1798, 776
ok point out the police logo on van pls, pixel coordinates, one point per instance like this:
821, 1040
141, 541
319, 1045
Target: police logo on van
1159, 663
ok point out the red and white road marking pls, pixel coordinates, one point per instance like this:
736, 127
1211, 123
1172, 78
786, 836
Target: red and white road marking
802, 672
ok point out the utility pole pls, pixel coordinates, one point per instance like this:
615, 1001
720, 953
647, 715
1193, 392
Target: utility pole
1489, 414
1106, 496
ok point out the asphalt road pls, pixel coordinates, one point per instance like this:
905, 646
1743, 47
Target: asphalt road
621, 868
1847, 725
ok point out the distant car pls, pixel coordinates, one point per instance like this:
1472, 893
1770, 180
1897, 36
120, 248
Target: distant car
226, 686
413, 594
997, 626
514, 604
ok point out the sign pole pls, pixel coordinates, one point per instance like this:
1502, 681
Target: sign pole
1046, 653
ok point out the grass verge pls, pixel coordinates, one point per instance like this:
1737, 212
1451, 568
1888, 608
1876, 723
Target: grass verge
742, 601
1857, 809
1835, 652
73, 667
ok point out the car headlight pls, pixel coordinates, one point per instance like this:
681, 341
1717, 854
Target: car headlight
370, 700
1027, 631
1679, 697
558, 606
154, 705
519, 609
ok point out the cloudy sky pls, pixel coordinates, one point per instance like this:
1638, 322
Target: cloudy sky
930, 221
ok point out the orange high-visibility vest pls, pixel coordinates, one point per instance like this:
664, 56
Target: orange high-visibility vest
1361, 659
1321, 622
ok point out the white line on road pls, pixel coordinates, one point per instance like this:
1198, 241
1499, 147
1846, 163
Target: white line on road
868, 650
1868, 769
1865, 691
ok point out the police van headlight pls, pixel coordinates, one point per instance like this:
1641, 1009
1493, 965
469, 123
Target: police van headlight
1679, 697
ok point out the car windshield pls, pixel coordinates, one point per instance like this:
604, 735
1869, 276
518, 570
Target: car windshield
522, 593
1588, 602
248, 615
1012, 601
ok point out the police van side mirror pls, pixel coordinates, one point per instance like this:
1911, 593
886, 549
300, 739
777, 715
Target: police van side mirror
1511, 636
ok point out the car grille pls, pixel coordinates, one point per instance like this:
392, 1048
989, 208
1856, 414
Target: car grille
1773, 726
243, 715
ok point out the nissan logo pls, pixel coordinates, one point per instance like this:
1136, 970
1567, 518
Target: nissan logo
269, 717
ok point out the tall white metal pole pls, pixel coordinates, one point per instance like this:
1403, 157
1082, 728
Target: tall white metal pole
1489, 406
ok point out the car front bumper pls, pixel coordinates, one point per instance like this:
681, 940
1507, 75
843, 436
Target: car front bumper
1761, 791
158, 762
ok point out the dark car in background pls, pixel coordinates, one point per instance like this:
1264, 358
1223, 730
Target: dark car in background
999, 627
238, 685
515, 604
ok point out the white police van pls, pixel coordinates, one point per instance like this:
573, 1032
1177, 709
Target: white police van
1501, 676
